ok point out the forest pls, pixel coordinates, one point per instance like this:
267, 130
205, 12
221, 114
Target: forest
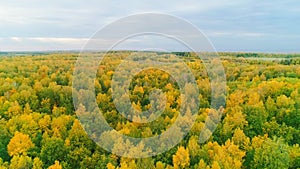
259, 127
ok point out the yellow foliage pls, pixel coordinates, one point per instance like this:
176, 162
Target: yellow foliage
258, 141
20, 162
37, 163
15, 109
229, 156
110, 166
128, 165
45, 122
193, 146
215, 165
19, 144
202, 164
233, 121
181, 159
240, 139
254, 98
159, 165
138, 89
56, 165
27, 109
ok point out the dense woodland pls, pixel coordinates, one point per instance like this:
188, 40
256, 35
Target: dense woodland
259, 128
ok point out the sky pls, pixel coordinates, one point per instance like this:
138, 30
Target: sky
230, 25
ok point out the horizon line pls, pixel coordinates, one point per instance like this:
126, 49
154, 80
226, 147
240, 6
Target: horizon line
137, 50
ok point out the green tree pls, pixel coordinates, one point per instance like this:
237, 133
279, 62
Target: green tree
271, 154
53, 149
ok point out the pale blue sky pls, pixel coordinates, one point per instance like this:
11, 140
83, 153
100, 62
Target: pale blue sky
231, 25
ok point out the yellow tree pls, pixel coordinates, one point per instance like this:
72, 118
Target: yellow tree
20, 162
19, 144
128, 164
44, 123
110, 166
239, 138
15, 109
159, 165
215, 165
3, 165
193, 146
37, 163
56, 165
228, 155
202, 164
181, 159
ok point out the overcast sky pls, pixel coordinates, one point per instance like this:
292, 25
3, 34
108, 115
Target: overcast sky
231, 25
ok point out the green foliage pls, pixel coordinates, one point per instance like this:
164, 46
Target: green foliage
271, 154
39, 127
53, 149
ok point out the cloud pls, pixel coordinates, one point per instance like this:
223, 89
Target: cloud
59, 40
62, 43
16, 39
235, 34
41, 43
72, 22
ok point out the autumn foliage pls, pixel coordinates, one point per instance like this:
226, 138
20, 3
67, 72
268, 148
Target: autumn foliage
259, 128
